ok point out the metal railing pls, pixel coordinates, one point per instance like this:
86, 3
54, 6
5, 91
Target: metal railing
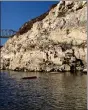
6, 33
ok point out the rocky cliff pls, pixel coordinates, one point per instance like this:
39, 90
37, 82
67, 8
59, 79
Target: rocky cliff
54, 41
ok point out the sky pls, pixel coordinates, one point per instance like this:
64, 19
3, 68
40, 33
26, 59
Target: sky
15, 13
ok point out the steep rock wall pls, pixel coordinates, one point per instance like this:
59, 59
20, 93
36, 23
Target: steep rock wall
55, 41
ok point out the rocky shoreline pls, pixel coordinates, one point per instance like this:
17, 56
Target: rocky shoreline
69, 63
56, 41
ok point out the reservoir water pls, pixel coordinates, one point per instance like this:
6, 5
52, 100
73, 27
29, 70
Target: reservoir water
49, 91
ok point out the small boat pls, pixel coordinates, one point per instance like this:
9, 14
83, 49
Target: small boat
31, 77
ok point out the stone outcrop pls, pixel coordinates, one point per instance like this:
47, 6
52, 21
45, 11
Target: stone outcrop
54, 41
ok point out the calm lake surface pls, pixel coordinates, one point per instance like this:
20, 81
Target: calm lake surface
49, 91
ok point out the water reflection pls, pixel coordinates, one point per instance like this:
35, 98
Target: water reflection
56, 91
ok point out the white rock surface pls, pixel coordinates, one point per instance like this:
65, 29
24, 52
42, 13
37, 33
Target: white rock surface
44, 45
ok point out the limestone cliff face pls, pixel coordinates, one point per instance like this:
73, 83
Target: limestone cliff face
53, 41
